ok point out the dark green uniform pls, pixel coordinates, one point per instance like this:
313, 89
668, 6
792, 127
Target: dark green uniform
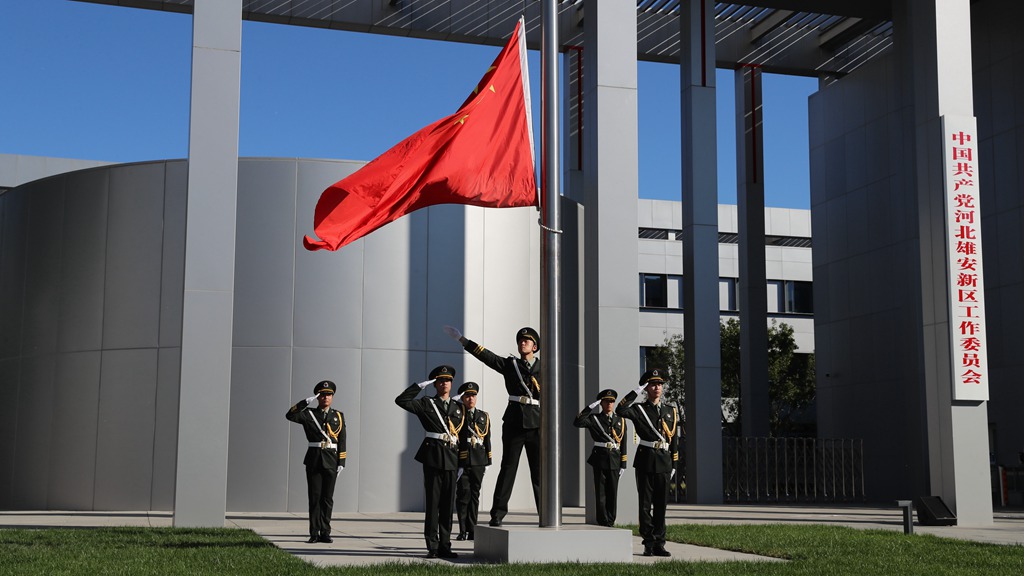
322, 461
607, 458
474, 458
520, 424
440, 458
655, 458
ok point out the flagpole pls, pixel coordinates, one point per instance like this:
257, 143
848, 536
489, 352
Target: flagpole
551, 441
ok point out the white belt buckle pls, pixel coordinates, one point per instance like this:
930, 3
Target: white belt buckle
524, 399
661, 445
323, 444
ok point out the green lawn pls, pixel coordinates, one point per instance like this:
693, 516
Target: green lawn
811, 550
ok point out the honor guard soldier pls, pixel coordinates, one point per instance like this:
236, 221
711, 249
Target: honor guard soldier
655, 423
608, 457
474, 458
442, 420
520, 425
325, 455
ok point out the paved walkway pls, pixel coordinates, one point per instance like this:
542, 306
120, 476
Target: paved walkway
397, 537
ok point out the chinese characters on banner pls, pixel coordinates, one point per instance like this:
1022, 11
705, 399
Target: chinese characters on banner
966, 281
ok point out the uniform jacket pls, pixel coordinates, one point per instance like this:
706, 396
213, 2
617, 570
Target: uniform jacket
313, 420
516, 414
666, 419
475, 440
603, 430
433, 452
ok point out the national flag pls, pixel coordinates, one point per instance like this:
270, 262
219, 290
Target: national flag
481, 155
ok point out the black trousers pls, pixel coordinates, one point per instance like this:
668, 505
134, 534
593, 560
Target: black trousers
513, 440
320, 489
606, 491
652, 489
467, 497
439, 487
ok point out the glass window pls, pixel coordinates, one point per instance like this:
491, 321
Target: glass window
727, 295
799, 297
653, 291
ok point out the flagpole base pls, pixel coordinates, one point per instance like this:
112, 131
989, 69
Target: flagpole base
531, 544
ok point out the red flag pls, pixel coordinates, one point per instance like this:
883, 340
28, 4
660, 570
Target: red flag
482, 155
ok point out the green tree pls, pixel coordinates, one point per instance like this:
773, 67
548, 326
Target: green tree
790, 376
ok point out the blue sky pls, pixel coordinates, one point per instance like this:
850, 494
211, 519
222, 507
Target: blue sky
101, 82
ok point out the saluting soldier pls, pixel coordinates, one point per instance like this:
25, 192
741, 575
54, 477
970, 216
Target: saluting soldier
520, 425
442, 419
608, 457
474, 458
325, 455
655, 423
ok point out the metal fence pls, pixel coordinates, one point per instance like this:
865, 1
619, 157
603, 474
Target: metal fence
793, 470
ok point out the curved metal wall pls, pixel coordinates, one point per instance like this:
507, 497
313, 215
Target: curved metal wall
90, 299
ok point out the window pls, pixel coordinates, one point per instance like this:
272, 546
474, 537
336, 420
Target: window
727, 295
799, 297
653, 291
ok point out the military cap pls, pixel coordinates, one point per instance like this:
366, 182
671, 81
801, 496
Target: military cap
608, 394
470, 388
443, 371
652, 375
530, 333
324, 386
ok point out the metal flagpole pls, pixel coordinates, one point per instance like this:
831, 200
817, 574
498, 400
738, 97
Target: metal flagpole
551, 305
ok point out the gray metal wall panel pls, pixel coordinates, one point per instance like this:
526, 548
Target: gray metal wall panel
172, 275
165, 440
395, 261
10, 368
42, 270
124, 439
389, 476
75, 402
13, 239
83, 261
258, 437
444, 289
328, 286
134, 247
343, 367
265, 253
34, 433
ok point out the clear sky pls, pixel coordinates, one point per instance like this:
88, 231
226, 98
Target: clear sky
98, 82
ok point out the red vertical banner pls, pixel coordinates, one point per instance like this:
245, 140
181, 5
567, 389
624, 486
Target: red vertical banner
964, 258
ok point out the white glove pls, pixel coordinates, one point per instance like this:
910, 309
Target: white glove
453, 333
312, 401
456, 398
641, 388
672, 475
622, 471
593, 404
340, 468
424, 384
459, 475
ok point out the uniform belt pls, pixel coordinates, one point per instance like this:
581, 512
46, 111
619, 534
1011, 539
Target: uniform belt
608, 445
449, 438
524, 400
657, 445
474, 441
323, 444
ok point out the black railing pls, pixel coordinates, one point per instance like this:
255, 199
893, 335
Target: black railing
793, 470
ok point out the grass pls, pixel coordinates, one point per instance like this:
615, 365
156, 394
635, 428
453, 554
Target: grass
811, 550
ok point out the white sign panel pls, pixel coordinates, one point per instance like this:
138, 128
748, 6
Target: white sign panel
963, 237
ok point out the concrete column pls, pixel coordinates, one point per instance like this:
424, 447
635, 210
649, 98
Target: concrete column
700, 255
610, 176
936, 53
200, 494
753, 286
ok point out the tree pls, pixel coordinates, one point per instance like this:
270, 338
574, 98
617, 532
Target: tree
790, 376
